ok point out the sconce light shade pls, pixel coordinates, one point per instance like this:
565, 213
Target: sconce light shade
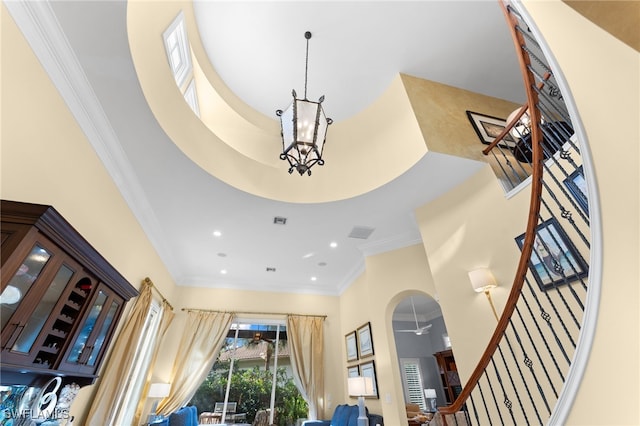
482, 280
159, 390
360, 386
522, 127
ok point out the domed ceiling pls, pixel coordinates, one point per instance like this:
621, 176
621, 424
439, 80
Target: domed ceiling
210, 231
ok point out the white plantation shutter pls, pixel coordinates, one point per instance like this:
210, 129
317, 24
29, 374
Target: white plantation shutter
412, 379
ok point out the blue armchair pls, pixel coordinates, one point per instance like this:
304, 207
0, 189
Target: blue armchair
186, 416
346, 415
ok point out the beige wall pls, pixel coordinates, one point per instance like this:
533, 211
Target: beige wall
389, 278
459, 237
604, 78
441, 113
46, 159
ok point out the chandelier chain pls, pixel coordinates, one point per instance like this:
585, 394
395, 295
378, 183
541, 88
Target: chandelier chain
307, 36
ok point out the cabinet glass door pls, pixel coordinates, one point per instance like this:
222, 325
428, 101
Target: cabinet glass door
87, 328
45, 306
21, 282
104, 330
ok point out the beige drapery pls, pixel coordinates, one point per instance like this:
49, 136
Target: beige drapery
306, 343
114, 377
167, 317
201, 342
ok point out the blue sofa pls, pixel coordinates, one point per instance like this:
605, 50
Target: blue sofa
346, 415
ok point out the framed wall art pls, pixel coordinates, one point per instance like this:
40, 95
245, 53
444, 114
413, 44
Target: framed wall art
577, 186
488, 128
554, 260
365, 341
368, 369
352, 346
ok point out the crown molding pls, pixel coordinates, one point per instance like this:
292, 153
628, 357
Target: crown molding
38, 23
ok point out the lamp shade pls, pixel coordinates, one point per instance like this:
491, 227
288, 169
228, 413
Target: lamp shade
430, 393
482, 280
159, 390
522, 127
360, 386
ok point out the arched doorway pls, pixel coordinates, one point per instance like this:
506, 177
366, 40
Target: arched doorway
421, 341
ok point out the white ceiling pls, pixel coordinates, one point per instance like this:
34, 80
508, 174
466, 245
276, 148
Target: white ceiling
258, 49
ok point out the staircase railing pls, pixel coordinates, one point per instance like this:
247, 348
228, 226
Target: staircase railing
522, 371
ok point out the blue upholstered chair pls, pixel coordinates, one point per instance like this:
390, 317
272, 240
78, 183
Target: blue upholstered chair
186, 416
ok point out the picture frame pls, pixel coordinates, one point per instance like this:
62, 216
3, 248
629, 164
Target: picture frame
488, 128
554, 260
365, 341
368, 369
353, 371
351, 343
577, 187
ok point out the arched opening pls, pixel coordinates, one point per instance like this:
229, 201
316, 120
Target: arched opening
425, 356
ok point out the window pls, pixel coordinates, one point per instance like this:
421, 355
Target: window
191, 97
138, 374
256, 358
177, 47
412, 382
178, 51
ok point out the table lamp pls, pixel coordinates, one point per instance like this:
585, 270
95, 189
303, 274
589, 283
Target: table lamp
158, 391
430, 396
360, 387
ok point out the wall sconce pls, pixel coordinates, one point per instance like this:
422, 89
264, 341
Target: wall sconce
482, 280
159, 391
360, 387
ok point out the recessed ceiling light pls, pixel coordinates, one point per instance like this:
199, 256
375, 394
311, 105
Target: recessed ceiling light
314, 279
333, 244
322, 263
222, 254
308, 255
217, 233
223, 271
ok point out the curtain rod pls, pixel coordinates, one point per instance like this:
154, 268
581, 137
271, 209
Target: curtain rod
148, 281
251, 312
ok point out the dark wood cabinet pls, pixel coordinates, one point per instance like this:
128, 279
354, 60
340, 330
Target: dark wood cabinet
60, 301
448, 375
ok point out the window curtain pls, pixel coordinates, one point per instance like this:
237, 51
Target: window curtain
115, 376
203, 337
167, 317
305, 335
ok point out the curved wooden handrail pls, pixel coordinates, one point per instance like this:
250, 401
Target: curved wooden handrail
532, 222
506, 130
513, 121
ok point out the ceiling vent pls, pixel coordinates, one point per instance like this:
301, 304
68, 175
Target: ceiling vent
278, 220
361, 232
270, 269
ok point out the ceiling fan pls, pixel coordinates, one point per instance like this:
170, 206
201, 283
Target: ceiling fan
418, 330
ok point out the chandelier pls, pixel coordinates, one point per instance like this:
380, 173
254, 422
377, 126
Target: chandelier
303, 128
